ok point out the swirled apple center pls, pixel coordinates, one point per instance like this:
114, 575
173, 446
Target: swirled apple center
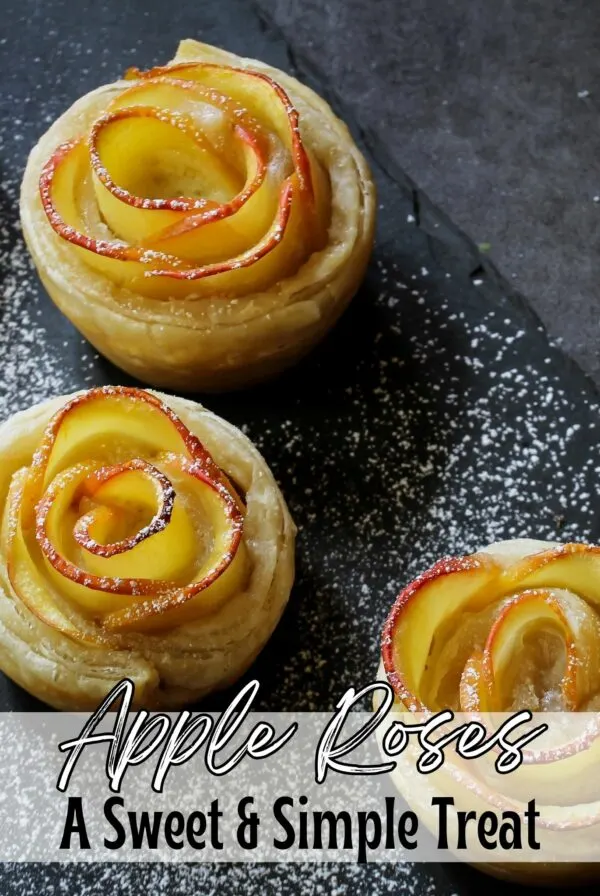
99, 543
194, 181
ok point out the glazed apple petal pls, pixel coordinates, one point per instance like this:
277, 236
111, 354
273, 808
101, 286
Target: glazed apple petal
574, 567
111, 492
520, 619
238, 225
123, 516
222, 570
265, 101
274, 256
140, 153
104, 419
194, 182
62, 184
28, 577
478, 634
426, 608
158, 550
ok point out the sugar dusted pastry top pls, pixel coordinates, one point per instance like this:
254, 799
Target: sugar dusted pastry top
141, 536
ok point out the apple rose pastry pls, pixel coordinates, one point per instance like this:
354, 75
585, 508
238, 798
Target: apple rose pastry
204, 223
142, 537
513, 627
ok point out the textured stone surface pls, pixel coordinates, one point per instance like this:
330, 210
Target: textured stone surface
478, 102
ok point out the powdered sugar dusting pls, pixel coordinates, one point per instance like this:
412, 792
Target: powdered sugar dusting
27, 366
255, 880
432, 424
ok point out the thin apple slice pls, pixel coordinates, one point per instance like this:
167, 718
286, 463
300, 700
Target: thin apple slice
572, 567
144, 270
439, 595
256, 92
237, 225
531, 614
465, 633
60, 181
215, 113
29, 580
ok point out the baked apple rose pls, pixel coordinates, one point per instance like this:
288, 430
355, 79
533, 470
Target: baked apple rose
516, 626
203, 223
513, 627
127, 548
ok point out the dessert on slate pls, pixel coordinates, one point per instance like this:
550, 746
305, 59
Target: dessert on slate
515, 626
141, 537
204, 223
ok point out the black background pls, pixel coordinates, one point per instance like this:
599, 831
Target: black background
437, 417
